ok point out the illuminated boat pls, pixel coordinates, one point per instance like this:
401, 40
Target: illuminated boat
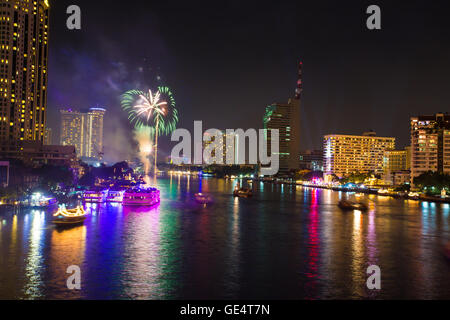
350, 205
115, 196
383, 191
141, 197
243, 193
65, 217
95, 196
414, 196
203, 198
38, 200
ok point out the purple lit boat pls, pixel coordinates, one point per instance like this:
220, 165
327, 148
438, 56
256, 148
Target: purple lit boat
141, 197
115, 195
95, 196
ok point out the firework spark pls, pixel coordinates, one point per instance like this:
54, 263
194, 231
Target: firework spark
156, 111
149, 105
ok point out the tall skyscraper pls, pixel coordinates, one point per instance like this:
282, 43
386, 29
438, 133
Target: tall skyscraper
24, 27
72, 130
286, 119
430, 144
84, 131
346, 154
94, 134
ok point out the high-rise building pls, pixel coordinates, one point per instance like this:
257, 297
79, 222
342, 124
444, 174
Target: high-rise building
24, 27
94, 141
346, 154
227, 148
72, 130
286, 119
84, 131
430, 144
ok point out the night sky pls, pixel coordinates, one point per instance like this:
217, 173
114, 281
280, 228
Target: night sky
227, 60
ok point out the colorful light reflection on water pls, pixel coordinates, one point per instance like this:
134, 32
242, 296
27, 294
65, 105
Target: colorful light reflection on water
285, 243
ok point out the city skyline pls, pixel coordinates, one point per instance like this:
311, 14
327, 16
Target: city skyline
325, 173
349, 88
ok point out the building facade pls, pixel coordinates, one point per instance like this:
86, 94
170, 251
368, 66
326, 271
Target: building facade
48, 136
311, 160
24, 27
94, 134
38, 154
84, 131
286, 119
4, 174
430, 144
396, 167
72, 130
395, 160
35, 154
346, 154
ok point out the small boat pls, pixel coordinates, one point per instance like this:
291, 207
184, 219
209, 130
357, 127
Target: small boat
64, 217
243, 193
350, 205
414, 196
203, 198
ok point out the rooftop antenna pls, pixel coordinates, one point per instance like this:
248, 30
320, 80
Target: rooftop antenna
299, 89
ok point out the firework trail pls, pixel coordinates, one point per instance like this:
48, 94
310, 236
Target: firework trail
143, 137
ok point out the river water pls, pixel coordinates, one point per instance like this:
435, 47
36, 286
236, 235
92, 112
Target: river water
286, 242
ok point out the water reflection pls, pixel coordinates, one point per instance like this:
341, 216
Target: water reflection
313, 246
68, 247
358, 266
295, 244
142, 259
34, 261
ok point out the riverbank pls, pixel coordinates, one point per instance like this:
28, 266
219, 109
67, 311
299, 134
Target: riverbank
374, 191
399, 195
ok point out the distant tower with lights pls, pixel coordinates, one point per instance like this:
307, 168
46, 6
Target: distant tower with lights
286, 119
299, 90
23, 72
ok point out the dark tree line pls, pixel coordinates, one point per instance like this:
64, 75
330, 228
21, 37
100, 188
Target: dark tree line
433, 182
116, 172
